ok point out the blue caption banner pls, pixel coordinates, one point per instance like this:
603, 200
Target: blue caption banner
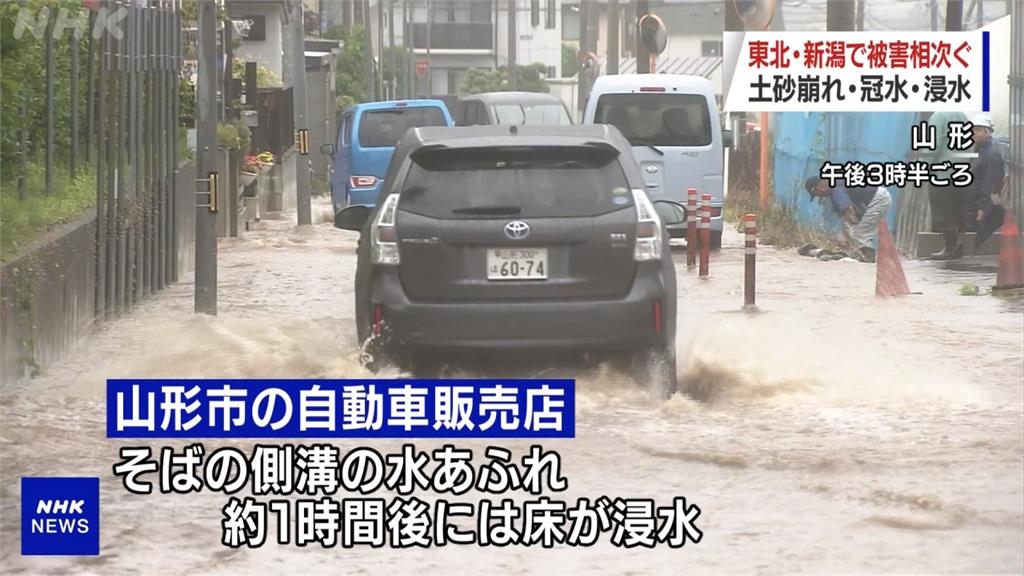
341, 409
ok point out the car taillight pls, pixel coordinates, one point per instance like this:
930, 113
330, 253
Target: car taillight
362, 181
383, 236
648, 229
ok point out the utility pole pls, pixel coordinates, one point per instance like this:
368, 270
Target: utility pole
860, 14
303, 205
643, 57
513, 76
613, 37
368, 50
954, 15
430, 65
840, 15
933, 6
206, 136
583, 81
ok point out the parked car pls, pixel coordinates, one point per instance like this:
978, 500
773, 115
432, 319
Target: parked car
531, 237
366, 140
515, 108
672, 123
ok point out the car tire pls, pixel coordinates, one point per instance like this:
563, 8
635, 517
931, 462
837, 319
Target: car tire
655, 369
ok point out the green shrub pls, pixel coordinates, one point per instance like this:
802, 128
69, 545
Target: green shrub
22, 221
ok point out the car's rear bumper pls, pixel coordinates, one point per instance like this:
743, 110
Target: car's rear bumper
624, 324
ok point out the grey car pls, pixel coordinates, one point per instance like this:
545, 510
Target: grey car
520, 237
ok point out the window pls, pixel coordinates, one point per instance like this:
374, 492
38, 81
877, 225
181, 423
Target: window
551, 72
711, 48
657, 119
550, 13
384, 128
346, 126
549, 182
480, 11
546, 114
535, 13
570, 22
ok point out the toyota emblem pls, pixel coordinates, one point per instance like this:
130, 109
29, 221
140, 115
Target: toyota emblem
517, 230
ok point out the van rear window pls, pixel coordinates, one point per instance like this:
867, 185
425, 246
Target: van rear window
384, 128
657, 119
503, 182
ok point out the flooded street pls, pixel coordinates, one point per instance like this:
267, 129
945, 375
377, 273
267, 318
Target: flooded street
830, 432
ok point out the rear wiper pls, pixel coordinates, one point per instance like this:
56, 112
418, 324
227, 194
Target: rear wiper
497, 210
656, 149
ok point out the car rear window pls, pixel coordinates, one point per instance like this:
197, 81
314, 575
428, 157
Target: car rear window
537, 182
383, 128
543, 114
657, 119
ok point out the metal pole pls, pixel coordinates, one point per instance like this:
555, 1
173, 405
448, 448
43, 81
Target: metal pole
513, 78
705, 234
206, 133
749, 259
101, 167
860, 13
954, 15
583, 78
173, 64
933, 7
75, 132
839, 15
391, 48
613, 37
304, 206
368, 50
380, 50
430, 65
691, 228
410, 77
90, 92
51, 19
643, 57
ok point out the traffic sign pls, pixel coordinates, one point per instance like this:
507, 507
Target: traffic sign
653, 34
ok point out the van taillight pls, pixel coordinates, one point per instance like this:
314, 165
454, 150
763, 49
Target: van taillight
362, 181
652, 89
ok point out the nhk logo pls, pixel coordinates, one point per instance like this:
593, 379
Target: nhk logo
60, 516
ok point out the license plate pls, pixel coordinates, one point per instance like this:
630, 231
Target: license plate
517, 264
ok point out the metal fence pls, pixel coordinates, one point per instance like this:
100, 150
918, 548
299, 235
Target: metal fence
115, 115
137, 138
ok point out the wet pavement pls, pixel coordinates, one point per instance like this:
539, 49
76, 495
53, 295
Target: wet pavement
830, 432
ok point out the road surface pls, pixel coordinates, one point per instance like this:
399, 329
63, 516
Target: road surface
831, 432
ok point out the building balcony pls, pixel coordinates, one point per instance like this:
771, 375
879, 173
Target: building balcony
454, 36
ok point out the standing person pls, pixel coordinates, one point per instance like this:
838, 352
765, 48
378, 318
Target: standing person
988, 171
947, 202
861, 208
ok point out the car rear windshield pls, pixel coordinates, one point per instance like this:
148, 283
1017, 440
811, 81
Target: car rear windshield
383, 128
657, 119
537, 182
544, 114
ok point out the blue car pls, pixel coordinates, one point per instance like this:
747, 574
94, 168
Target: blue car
366, 140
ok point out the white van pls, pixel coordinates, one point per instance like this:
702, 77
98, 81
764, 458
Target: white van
673, 124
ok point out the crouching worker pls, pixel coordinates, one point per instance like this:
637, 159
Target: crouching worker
861, 209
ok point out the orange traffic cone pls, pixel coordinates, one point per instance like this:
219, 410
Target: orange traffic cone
1011, 261
889, 277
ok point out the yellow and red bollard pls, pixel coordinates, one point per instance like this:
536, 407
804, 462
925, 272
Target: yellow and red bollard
749, 259
691, 228
705, 233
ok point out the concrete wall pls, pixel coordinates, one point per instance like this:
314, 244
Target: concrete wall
48, 293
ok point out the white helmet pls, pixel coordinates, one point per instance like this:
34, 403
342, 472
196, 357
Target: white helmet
983, 120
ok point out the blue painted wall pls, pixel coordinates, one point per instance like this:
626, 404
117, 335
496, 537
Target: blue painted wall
802, 141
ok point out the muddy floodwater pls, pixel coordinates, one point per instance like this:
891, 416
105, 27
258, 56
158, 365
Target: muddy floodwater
831, 432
